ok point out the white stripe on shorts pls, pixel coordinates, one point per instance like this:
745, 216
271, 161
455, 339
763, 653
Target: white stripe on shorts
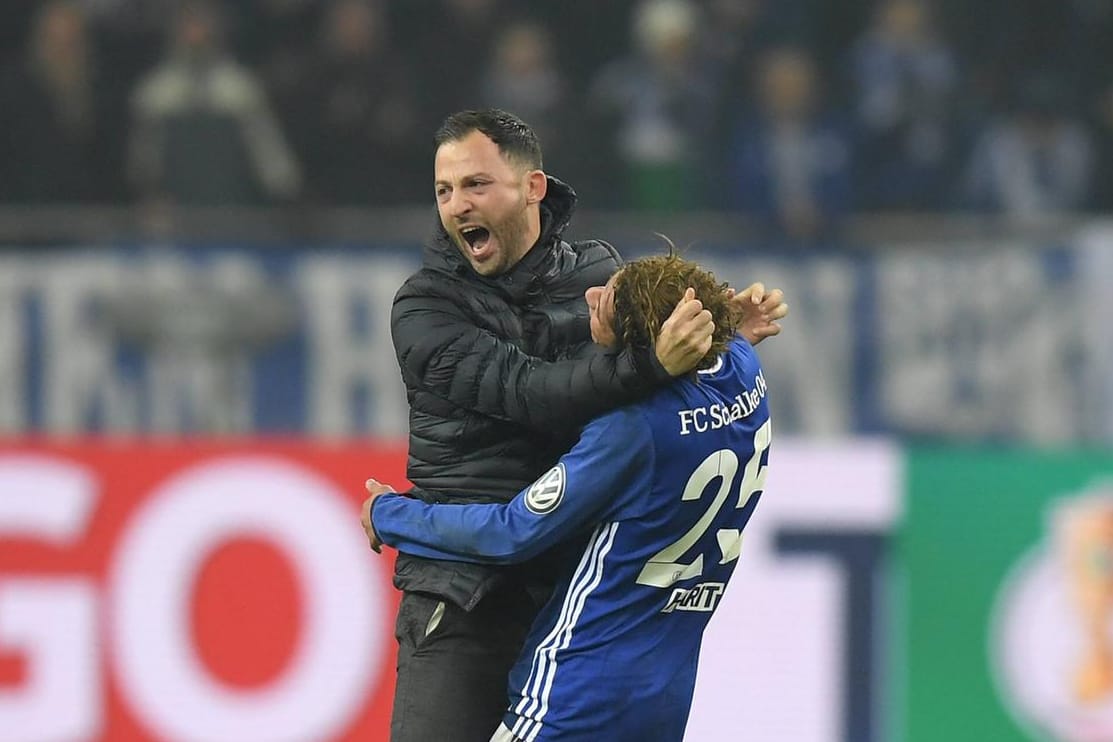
503, 734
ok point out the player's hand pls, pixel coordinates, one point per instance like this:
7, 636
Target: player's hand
758, 311
375, 488
685, 337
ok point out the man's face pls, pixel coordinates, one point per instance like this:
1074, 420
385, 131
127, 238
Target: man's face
485, 203
600, 305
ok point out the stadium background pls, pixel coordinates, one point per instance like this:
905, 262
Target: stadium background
199, 242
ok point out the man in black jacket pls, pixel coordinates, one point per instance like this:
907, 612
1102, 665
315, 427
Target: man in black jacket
495, 350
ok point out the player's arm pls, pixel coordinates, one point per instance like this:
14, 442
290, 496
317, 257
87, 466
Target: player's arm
613, 459
441, 351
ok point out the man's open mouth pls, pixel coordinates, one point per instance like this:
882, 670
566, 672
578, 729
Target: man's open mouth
476, 237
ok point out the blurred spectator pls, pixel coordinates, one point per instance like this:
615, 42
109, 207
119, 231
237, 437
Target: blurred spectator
131, 35
522, 76
58, 131
274, 40
1093, 44
791, 161
269, 27
1034, 161
354, 114
829, 28
15, 20
588, 33
646, 130
453, 41
1003, 41
657, 107
904, 80
1103, 170
733, 35
203, 131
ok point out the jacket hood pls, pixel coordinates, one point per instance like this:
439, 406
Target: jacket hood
556, 212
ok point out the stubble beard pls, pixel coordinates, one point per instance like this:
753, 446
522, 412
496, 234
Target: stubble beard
512, 237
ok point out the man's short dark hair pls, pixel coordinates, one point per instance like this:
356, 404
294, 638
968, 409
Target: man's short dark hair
648, 289
514, 137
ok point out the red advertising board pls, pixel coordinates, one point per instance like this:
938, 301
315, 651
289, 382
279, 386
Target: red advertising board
193, 591
224, 592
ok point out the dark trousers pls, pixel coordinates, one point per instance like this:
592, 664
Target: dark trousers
453, 664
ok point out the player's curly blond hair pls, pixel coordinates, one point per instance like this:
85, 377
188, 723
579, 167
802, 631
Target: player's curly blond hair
648, 289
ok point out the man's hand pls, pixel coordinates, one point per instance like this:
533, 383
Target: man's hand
758, 311
375, 488
685, 337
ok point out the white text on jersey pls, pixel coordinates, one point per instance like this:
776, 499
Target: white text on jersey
701, 419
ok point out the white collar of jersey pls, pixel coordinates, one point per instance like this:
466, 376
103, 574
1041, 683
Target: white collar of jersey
718, 365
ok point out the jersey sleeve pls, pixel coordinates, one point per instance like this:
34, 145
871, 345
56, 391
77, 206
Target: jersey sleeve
612, 461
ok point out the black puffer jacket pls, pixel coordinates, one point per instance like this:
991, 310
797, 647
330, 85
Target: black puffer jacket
500, 374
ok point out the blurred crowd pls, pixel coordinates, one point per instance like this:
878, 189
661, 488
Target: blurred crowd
796, 112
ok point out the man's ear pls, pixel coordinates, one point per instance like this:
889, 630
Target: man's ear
537, 185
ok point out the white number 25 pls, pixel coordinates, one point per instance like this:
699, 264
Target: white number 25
665, 567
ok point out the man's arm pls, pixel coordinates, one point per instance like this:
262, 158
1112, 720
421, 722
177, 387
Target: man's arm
442, 352
758, 312
614, 455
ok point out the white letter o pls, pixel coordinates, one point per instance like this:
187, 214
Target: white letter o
164, 547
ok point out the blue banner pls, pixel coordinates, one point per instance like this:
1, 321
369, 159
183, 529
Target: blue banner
977, 342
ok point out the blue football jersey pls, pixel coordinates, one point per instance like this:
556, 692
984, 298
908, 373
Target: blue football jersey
669, 485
